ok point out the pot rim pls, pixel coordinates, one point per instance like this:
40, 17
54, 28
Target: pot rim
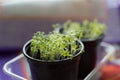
26, 55
89, 40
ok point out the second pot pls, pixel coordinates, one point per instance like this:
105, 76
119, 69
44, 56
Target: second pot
89, 58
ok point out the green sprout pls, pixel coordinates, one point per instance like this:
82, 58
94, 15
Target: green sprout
85, 30
54, 46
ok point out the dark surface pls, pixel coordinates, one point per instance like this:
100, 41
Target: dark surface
4, 57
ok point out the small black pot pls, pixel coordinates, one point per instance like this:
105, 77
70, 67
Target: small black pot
66, 69
89, 57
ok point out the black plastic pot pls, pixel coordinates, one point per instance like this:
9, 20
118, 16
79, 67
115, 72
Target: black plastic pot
89, 58
66, 69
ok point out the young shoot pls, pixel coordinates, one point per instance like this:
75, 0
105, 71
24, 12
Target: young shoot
54, 46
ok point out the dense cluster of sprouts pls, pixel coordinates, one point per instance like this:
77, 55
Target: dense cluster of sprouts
86, 30
54, 46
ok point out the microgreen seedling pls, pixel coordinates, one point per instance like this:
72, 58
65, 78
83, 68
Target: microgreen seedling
54, 46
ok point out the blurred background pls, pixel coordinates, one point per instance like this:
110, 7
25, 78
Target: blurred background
19, 19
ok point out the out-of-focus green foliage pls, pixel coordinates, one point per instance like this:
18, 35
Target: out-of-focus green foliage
86, 30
